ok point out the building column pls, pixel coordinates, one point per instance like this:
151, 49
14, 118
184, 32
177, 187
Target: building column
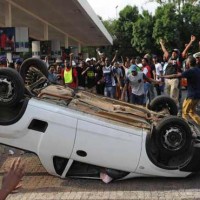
46, 32
8, 15
66, 41
79, 47
8, 23
36, 49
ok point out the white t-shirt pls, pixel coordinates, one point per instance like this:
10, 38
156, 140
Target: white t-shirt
159, 69
137, 83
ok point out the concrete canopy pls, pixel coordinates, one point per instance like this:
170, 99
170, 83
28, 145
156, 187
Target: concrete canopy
56, 20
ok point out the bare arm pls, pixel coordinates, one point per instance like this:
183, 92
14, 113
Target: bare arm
85, 70
114, 58
123, 92
11, 180
192, 39
70, 58
166, 53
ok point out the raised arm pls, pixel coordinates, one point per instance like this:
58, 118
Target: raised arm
114, 58
192, 39
166, 53
70, 58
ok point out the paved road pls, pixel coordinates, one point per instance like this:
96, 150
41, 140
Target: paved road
38, 184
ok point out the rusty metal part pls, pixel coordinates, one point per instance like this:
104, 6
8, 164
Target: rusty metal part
46, 94
106, 108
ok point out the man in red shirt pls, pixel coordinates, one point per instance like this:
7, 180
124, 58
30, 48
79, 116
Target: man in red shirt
146, 69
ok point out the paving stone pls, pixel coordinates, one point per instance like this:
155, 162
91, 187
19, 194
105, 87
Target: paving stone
39, 185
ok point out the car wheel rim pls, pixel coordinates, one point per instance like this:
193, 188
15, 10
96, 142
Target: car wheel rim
6, 89
173, 139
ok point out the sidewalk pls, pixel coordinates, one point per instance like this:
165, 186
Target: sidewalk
39, 185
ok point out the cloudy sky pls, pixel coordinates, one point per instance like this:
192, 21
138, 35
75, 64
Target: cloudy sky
109, 9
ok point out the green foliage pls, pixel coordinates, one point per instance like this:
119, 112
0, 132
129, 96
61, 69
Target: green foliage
142, 39
137, 34
167, 25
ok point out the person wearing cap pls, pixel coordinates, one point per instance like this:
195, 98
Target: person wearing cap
193, 94
197, 57
172, 86
90, 73
93, 60
136, 80
69, 74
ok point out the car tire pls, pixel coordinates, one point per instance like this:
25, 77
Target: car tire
11, 87
33, 62
161, 102
173, 135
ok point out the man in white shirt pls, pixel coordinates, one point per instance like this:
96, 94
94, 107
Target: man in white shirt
136, 81
159, 72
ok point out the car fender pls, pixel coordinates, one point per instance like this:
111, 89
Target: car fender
148, 168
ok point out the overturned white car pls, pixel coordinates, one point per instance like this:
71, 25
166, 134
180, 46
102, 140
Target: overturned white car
79, 134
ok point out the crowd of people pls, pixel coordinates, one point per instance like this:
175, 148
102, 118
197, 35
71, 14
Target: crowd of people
136, 80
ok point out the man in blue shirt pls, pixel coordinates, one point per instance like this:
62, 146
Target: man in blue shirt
193, 95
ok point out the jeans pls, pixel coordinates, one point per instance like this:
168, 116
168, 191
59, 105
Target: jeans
110, 91
137, 99
146, 92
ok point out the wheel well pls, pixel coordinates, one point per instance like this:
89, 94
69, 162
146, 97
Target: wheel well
10, 115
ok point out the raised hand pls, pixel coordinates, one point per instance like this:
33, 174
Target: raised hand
12, 178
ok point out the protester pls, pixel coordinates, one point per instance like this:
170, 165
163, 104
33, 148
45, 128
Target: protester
193, 95
197, 57
119, 79
173, 67
146, 69
159, 71
136, 80
81, 77
52, 76
90, 73
109, 73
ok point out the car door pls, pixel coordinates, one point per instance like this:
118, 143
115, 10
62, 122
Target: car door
107, 145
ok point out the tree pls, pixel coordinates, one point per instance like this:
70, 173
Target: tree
124, 29
142, 39
177, 3
167, 26
189, 24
